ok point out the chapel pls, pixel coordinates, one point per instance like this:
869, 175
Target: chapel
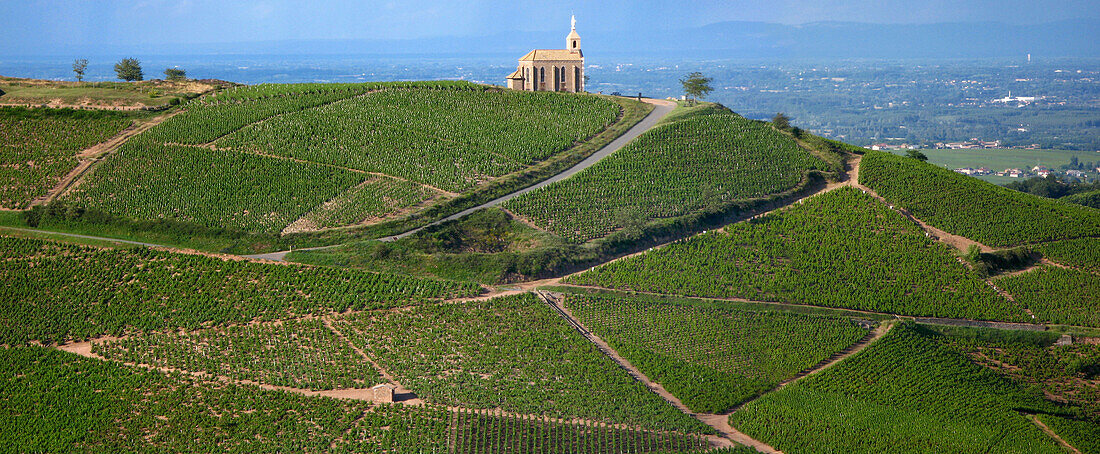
552, 69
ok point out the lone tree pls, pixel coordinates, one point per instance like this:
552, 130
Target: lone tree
781, 122
696, 86
79, 66
175, 74
916, 155
129, 69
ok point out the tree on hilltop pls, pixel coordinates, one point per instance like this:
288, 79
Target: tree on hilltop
79, 66
916, 155
696, 86
175, 74
129, 69
781, 121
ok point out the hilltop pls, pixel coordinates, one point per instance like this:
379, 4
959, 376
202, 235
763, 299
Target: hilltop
482, 270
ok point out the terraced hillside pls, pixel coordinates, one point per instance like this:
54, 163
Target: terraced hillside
704, 161
263, 158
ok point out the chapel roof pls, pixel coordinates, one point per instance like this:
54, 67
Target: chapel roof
515, 75
552, 54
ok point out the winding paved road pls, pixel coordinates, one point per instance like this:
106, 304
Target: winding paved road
660, 110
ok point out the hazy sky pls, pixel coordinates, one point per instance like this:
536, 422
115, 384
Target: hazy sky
61, 23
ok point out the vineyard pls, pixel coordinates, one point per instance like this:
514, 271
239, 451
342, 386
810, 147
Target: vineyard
375, 198
251, 159
474, 432
214, 188
59, 402
840, 249
38, 147
713, 359
511, 353
973, 208
906, 393
451, 140
50, 292
297, 354
1066, 374
1082, 253
1057, 295
694, 164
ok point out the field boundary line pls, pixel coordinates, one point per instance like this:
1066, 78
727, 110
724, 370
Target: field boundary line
717, 422
1052, 434
89, 157
367, 395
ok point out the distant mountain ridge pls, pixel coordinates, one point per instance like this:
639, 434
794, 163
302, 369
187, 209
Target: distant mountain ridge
1070, 38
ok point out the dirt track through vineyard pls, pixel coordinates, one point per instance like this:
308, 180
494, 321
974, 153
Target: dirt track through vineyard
720, 423
402, 395
95, 153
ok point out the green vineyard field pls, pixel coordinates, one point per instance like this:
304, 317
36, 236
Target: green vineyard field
697, 163
973, 208
1081, 253
451, 140
59, 402
906, 393
1057, 295
511, 353
214, 188
38, 147
713, 359
841, 249
294, 353
51, 292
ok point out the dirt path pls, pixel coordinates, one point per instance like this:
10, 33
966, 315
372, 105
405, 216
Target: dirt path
95, 153
401, 396
1047, 430
718, 422
959, 242
1011, 326
401, 393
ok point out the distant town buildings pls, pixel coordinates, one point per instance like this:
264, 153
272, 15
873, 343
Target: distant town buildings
552, 69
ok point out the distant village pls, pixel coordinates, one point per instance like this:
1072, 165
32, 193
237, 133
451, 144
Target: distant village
972, 144
1037, 171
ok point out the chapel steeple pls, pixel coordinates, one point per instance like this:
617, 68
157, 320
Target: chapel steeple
573, 41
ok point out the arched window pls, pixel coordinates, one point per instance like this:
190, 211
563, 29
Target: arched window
542, 74
556, 81
574, 44
563, 75
577, 78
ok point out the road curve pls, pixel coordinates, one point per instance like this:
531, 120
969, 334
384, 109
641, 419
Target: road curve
660, 110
